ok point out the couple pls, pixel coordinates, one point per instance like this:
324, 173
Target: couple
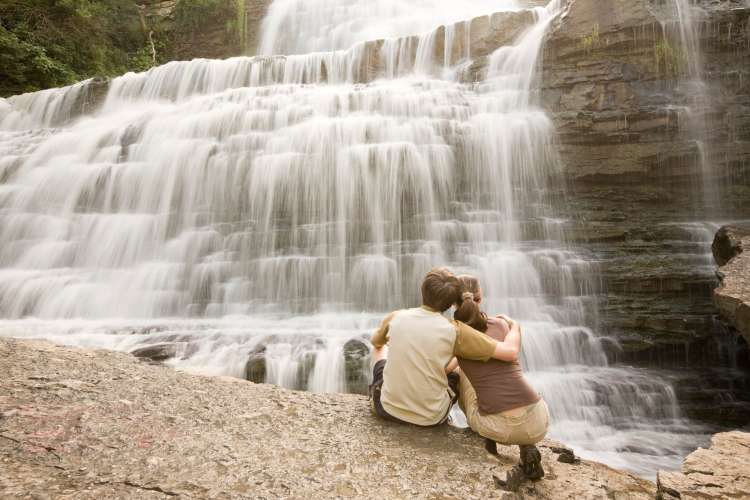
424, 362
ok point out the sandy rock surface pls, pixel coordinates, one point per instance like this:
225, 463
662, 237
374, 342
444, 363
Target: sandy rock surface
90, 424
722, 471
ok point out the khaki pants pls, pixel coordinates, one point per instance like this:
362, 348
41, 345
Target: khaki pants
527, 425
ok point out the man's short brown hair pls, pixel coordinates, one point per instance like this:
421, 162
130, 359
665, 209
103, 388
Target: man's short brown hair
440, 289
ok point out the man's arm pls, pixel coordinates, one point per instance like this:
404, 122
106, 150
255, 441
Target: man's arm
472, 344
380, 337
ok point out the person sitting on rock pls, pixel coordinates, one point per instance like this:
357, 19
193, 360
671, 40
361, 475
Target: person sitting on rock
498, 402
413, 386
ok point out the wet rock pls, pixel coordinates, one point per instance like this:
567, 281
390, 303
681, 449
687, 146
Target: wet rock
93, 96
718, 472
255, 368
356, 363
728, 243
156, 352
565, 455
305, 369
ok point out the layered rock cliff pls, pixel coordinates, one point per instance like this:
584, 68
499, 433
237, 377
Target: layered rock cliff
644, 189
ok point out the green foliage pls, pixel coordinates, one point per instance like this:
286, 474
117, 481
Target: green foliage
25, 67
46, 43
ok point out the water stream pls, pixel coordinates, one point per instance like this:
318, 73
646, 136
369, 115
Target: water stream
284, 203
687, 22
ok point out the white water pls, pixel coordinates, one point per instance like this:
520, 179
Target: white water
290, 202
322, 25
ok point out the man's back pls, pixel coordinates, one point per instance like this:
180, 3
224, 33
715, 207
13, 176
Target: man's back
415, 387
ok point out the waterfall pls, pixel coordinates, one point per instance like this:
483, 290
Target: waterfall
278, 206
321, 25
687, 23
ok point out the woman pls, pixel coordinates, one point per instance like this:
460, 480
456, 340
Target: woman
498, 402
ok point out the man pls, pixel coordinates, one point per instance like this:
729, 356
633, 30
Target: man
413, 386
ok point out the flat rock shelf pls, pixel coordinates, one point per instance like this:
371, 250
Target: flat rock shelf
99, 424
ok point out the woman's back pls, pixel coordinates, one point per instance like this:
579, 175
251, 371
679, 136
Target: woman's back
500, 385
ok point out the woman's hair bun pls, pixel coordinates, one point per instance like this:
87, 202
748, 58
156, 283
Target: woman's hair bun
467, 296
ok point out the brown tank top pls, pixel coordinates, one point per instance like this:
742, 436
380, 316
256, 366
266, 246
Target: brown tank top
500, 385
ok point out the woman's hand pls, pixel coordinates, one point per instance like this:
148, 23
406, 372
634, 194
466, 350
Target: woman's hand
452, 365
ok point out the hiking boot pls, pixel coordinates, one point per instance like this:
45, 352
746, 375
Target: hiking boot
531, 462
490, 446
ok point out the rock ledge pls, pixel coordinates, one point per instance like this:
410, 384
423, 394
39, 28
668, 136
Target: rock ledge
722, 471
98, 424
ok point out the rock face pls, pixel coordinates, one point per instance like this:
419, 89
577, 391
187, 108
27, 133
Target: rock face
227, 29
732, 296
96, 424
722, 471
620, 109
633, 174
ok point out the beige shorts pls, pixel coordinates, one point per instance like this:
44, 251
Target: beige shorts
527, 425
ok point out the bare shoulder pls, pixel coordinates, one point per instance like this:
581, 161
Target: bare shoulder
497, 328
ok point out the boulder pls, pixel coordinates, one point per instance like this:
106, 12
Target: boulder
255, 368
732, 296
156, 352
356, 357
721, 471
728, 243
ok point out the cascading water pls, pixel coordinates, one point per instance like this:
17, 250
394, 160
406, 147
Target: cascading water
689, 68
279, 206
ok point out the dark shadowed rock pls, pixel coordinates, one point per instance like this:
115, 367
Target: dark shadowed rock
565, 455
255, 368
728, 243
156, 352
356, 358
